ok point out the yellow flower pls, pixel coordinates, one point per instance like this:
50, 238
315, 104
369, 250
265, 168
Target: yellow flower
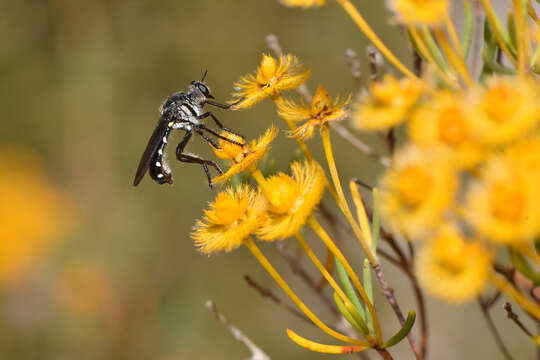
243, 158
228, 150
387, 103
503, 204
270, 80
34, 213
507, 109
291, 199
417, 189
303, 3
321, 111
451, 268
234, 215
446, 121
420, 12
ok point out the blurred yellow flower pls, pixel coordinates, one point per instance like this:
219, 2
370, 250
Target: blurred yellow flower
271, 79
291, 200
243, 158
451, 268
417, 189
446, 121
321, 111
507, 109
303, 3
387, 103
34, 214
87, 290
420, 12
234, 215
503, 204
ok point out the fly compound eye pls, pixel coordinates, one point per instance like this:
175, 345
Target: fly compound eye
203, 88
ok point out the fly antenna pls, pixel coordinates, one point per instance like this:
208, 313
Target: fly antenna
203, 74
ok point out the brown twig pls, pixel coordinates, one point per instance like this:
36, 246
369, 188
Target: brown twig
256, 352
375, 61
484, 307
389, 294
515, 318
270, 295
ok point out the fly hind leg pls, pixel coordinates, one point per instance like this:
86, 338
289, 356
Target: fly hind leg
195, 159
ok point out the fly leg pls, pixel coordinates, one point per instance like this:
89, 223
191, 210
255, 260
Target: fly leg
220, 125
195, 159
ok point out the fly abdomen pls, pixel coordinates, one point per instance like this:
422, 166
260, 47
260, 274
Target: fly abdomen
159, 166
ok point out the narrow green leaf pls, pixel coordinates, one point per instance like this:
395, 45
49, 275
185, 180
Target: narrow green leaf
468, 27
404, 331
351, 315
433, 49
523, 267
348, 288
511, 25
368, 287
495, 67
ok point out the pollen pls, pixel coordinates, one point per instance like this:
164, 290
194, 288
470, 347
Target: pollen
321, 111
281, 191
270, 80
227, 209
228, 150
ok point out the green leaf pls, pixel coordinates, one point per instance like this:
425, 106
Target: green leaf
404, 331
351, 315
468, 28
433, 49
511, 24
523, 267
348, 288
368, 287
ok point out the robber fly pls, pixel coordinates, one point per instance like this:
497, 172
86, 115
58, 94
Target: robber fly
181, 111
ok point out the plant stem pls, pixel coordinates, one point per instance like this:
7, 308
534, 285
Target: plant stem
250, 244
507, 288
342, 202
323, 235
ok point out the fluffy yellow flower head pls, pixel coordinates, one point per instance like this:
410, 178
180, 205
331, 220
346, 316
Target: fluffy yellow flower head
303, 3
507, 109
321, 111
243, 158
420, 12
503, 204
451, 268
234, 215
34, 213
446, 121
387, 103
417, 189
270, 80
291, 200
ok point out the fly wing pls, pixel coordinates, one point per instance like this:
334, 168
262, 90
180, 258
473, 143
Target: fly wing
151, 148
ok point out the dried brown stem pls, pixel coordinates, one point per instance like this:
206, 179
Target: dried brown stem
270, 295
485, 305
515, 318
256, 352
352, 58
389, 294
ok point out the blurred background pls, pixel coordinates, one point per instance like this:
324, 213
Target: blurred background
93, 268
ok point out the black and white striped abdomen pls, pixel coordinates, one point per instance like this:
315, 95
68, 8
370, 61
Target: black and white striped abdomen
159, 166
